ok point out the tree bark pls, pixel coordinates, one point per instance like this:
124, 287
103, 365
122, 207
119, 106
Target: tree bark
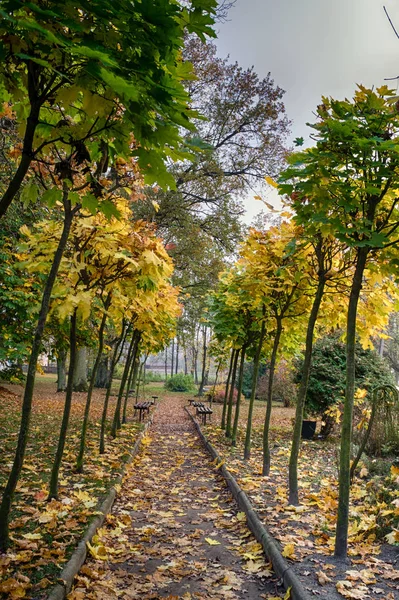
266, 449
203, 370
79, 461
115, 358
172, 369
80, 374
226, 392
102, 372
231, 395
26, 158
131, 376
9, 490
53, 491
247, 447
61, 370
116, 423
177, 356
166, 364
238, 405
293, 497
341, 539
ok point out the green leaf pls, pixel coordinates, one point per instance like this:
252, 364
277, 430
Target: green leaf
29, 194
90, 202
51, 196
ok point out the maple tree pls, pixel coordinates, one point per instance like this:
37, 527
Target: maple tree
348, 182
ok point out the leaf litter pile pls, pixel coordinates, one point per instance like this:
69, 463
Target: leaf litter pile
44, 534
174, 531
306, 532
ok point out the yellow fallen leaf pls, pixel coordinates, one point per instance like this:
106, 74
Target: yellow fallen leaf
212, 542
289, 551
32, 536
98, 552
241, 516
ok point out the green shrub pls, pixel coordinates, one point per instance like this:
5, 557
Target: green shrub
328, 373
151, 376
180, 383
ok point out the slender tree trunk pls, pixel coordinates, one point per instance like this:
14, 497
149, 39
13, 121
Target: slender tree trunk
214, 385
166, 363
172, 368
203, 370
131, 375
61, 370
114, 361
185, 362
9, 490
80, 373
341, 539
139, 379
53, 491
238, 405
27, 155
177, 356
293, 497
226, 391
116, 423
247, 447
79, 461
266, 449
231, 395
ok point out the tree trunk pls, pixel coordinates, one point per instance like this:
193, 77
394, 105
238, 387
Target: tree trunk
53, 491
79, 461
293, 497
341, 539
203, 371
238, 405
140, 370
102, 377
231, 396
27, 152
177, 356
185, 362
266, 449
226, 392
166, 364
247, 447
131, 376
214, 385
172, 369
115, 358
9, 490
61, 370
80, 373
116, 423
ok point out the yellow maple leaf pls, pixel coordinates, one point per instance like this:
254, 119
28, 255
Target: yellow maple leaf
289, 551
98, 552
212, 542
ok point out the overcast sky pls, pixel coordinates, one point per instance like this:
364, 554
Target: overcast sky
313, 48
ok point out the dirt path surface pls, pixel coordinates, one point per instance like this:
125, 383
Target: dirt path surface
175, 531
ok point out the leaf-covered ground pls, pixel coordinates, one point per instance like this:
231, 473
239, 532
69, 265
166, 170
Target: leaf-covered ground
174, 531
306, 533
44, 534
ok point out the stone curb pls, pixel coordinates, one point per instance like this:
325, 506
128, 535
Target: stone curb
74, 564
270, 547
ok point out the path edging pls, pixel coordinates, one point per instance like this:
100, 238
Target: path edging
74, 564
270, 547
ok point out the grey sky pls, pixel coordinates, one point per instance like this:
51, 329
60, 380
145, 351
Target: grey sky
313, 48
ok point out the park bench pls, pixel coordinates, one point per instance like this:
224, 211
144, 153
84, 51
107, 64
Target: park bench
154, 399
204, 411
142, 407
